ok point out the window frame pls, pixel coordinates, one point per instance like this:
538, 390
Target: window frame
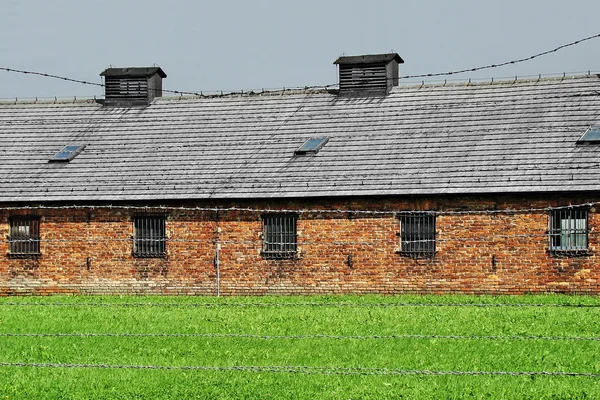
590, 136
576, 239
24, 245
312, 145
418, 241
149, 244
280, 236
67, 153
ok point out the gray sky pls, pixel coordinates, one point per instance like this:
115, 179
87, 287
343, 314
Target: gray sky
233, 45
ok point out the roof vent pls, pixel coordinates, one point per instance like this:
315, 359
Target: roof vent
126, 87
368, 75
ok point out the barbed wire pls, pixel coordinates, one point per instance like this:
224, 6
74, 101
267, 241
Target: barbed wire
294, 304
180, 92
199, 93
309, 370
301, 337
428, 75
301, 240
502, 64
159, 208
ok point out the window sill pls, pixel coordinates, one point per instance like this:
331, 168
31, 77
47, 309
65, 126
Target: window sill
419, 256
24, 255
281, 255
570, 253
163, 256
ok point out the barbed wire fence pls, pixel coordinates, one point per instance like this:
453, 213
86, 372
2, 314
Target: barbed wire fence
317, 87
202, 214
300, 369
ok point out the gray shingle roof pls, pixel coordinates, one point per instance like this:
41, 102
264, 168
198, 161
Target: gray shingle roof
479, 138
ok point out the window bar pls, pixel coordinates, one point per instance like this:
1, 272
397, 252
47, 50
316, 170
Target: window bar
152, 240
568, 217
417, 235
143, 231
144, 236
34, 237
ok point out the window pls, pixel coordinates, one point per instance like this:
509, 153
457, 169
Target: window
279, 236
149, 236
67, 153
312, 145
592, 135
24, 236
417, 235
569, 230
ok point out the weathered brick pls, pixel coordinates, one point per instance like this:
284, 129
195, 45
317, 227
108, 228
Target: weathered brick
89, 251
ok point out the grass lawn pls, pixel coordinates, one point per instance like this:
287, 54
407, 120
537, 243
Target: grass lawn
329, 347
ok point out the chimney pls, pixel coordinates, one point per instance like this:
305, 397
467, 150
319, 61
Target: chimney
368, 75
126, 87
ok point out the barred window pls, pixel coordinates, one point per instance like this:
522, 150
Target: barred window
24, 236
279, 235
417, 235
569, 229
149, 236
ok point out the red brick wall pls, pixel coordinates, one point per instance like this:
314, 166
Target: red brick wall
90, 251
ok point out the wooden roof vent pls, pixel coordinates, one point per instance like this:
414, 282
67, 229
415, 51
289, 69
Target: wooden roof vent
126, 87
368, 75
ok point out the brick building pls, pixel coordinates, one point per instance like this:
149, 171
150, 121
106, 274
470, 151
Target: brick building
368, 187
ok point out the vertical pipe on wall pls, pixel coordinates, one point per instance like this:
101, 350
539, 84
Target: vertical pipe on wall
217, 265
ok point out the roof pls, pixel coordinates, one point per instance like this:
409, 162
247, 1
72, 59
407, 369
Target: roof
369, 59
501, 137
135, 72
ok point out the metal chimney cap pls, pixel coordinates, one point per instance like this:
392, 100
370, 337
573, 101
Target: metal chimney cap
134, 72
369, 59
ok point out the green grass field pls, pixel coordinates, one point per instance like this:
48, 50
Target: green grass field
334, 347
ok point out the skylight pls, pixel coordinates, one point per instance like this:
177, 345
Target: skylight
67, 153
592, 135
312, 145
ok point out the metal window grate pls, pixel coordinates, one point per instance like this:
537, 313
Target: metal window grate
24, 237
569, 230
417, 235
149, 236
279, 236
